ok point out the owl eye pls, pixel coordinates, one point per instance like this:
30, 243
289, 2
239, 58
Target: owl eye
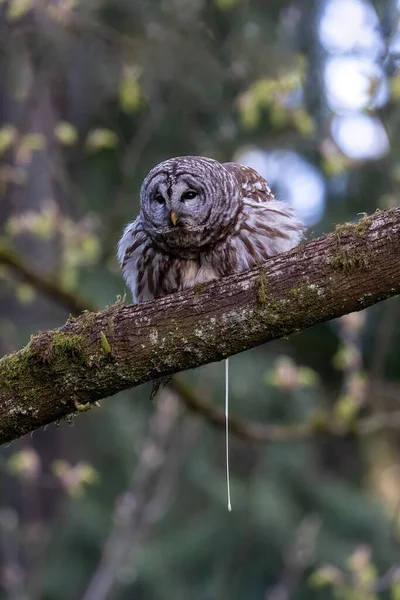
159, 198
188, 195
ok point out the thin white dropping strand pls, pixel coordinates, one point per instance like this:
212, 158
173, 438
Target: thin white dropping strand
228, 486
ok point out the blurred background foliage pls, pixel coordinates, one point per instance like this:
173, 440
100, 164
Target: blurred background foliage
129, 500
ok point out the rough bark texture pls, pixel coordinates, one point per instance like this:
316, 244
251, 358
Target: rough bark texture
99, 354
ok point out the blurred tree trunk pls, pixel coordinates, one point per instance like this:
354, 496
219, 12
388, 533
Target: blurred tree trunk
29, 103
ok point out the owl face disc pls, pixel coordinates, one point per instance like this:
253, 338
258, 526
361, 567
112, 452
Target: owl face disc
187, 203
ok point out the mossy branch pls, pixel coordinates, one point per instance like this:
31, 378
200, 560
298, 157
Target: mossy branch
351, 269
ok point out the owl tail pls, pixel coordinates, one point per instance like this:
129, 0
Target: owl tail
228, 485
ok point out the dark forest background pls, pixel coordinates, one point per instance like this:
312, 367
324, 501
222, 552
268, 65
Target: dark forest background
129, 500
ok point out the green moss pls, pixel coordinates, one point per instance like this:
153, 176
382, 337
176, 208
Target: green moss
68, 346
87, 319
36, 364
70, 419
359, 228
17, 375
343, 229
199, 288
262, 289
348, 261
278, 314
304, 292
111, 325
16, 365
267, 307
305, 296
363, 225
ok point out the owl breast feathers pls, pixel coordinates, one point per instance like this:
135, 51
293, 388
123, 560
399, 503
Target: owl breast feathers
200, 220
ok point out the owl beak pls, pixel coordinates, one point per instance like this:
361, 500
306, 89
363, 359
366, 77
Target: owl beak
174, 218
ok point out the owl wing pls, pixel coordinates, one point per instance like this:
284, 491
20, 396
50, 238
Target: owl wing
253, 185
266, 226
136, 257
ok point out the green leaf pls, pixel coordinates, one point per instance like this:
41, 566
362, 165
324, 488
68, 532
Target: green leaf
25, 293
100, 139
17, 8
129, 91
326, 575
226, 4
65, 133
8, 134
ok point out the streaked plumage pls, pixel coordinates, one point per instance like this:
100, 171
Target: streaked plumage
200, 220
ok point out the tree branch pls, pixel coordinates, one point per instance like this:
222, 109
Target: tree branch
45, 285
323, 423
99, 354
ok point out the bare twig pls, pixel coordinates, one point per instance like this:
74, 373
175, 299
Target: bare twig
147, 497
324, 424
298, 558
388, 579
49, 287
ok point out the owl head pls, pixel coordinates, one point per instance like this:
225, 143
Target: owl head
189, 203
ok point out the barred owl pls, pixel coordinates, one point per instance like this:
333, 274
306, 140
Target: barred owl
201, 220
